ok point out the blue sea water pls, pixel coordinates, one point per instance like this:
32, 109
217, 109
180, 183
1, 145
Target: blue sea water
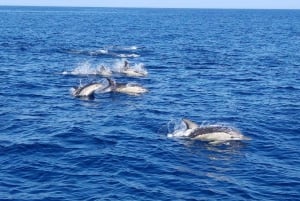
236, 67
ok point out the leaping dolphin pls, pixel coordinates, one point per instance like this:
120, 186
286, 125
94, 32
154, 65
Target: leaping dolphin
87, 90
214, 134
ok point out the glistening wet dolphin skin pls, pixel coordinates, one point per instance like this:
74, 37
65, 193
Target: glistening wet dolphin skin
127, 88
134, 73
212, 133
131, 71
87, 90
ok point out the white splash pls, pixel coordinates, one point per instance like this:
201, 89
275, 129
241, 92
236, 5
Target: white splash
176, 128
84, 68
103, 70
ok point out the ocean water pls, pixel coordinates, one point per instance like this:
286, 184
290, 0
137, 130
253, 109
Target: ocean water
236, 67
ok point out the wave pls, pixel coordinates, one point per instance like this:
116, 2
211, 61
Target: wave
32, 148
126, 48
128, 55
288, 88
111, 51
99, 52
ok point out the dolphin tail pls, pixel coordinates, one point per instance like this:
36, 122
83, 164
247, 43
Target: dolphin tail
111, 82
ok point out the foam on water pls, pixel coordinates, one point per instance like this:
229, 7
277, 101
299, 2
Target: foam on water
111, 51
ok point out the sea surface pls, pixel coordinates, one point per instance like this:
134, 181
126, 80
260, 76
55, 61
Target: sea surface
235, 67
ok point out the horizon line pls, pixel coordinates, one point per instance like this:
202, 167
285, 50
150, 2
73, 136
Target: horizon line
139, 7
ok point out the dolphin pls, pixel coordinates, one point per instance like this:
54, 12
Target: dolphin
87, 90
131, 89
134, 73
214, 134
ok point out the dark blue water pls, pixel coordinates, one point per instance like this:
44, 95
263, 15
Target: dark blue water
237, 67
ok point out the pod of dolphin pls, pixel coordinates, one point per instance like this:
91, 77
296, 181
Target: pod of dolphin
89, 90
214, 134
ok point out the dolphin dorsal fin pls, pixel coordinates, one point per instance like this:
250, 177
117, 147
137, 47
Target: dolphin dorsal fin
189, 124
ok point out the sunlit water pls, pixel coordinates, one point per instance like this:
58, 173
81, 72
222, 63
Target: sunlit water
235, 67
